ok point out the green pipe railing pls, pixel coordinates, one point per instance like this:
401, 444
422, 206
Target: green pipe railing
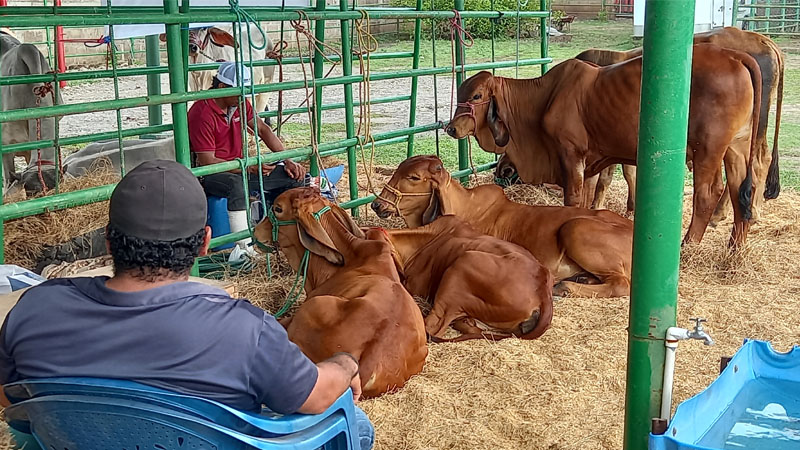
175, 18
134, 102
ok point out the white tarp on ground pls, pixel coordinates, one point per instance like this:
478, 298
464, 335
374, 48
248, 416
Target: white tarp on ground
128, 31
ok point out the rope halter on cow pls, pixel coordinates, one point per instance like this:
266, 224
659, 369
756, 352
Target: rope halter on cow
471, 114
302, 270
398, 196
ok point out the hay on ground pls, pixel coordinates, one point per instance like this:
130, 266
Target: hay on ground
566, 390
25, 238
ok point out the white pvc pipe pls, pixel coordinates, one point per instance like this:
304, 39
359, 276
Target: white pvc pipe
674, 334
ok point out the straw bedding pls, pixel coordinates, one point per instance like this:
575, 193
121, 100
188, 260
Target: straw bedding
566, 390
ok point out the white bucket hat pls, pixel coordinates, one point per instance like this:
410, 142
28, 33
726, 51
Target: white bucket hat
227, 74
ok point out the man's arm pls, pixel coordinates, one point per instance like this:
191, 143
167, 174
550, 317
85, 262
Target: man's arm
334, 376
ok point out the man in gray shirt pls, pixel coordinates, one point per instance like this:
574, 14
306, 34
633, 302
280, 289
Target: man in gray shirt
149, 324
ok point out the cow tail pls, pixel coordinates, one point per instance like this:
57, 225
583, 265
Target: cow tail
545, 311
773, 183
746, 189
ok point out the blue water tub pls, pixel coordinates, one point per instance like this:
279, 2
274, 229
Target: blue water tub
753, 405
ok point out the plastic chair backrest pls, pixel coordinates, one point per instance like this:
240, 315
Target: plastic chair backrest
84, 422
266, 424
217, 219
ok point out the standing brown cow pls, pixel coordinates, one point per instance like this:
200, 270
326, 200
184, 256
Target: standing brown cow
771, 63
578, 119
355, 302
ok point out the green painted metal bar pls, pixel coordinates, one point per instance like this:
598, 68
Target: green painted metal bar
224, 15
319, 62
154, 113
134, 102
84, 139
10, 211
2, 185
138, 71
661, 158
350, 127
177, 84
33, 145
412, 113
463, 152
184, 8
544, 25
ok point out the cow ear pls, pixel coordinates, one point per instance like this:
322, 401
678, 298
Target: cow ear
221, 38
162, 37
314, 238
433, 211
348, 222
496, 125
439, 175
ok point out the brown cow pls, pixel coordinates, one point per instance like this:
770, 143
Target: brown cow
578, 118
355, 302
770, 61
483, 283
571, 242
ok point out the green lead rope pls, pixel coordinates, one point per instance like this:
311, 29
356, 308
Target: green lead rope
302, 271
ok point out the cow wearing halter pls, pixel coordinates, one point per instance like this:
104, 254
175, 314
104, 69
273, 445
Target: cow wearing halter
771, 64
216, 44
355, 300
578, 119
489, 287
573, 243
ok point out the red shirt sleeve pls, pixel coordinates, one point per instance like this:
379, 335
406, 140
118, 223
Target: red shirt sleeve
201, 130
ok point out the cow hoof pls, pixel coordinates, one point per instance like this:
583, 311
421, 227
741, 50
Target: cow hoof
560, 290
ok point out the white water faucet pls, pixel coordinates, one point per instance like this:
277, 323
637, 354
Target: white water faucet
674, 335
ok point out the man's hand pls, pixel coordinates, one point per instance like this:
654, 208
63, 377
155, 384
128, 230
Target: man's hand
267, 169
355, 385
296, 171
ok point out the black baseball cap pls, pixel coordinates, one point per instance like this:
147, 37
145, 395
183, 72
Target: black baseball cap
159, 200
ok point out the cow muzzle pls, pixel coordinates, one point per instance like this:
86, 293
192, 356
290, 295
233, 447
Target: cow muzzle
382, 209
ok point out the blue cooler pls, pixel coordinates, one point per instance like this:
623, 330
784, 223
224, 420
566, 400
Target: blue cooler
218, 220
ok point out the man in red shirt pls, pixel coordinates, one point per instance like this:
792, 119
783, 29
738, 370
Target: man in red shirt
215, 135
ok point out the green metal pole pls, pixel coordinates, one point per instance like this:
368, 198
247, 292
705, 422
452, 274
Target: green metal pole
185, 41
545, 21
319, 33
347, 69
153, 80
412, 114
463, 154
177, 84
663, 122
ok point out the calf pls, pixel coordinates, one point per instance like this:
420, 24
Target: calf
355, 302
481, 282
575, 244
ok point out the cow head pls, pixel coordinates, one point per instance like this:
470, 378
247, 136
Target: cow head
200, 38
478, 109
414, 191
302, 226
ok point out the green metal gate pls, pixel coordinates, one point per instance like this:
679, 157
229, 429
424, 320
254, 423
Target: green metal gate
771, 17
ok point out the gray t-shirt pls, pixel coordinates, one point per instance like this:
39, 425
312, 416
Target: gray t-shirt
186, 337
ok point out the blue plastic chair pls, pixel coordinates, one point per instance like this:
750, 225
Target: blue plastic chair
217, 219
335, 429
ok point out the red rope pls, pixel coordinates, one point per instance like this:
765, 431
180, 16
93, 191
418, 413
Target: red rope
277, 54
41, 92
457, 31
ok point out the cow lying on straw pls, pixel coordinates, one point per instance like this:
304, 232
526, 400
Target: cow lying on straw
571, 242
355, 302
487, 286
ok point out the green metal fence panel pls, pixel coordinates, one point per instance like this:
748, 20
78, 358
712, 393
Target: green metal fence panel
770, 17
176, 17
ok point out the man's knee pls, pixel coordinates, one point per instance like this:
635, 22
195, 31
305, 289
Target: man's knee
366, 432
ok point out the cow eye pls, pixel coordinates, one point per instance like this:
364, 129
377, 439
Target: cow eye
476, 97
277, 209
414, 178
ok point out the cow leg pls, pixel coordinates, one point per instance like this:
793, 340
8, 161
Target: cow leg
707, 192
589, 188
629, 172
466, 325
600, 249
736, 171
440, 317
604, 179
573, 191
760, 171
721, 212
